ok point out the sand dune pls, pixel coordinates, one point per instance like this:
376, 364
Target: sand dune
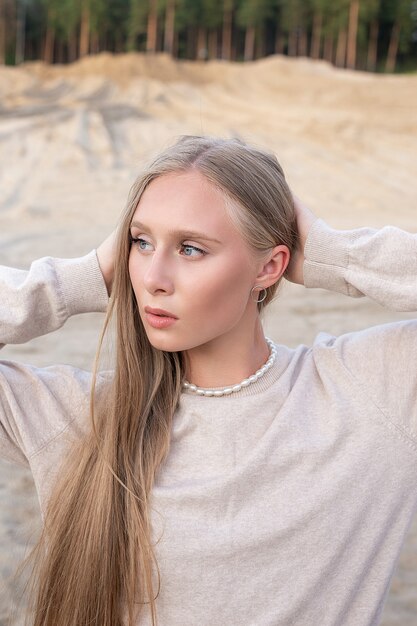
73, 138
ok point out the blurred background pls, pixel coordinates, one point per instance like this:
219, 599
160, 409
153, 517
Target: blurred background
89, 91
364, 34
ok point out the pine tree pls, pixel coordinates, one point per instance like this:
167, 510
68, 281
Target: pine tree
84, 48
294, 19
342, 22
400, 39
251, 15
228, 9
152, 26
319, 8
370, 17
188, 19
51, 25
212, 16
169, 27
362, 34
352, 34
2, 32
138, 22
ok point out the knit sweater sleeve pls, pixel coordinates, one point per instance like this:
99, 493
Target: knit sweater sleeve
380, 264
37, 404
40, 300
380, 361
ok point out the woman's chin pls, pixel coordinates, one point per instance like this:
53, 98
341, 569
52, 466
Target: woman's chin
167, 344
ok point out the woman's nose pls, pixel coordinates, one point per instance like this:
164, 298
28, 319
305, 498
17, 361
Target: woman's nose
158, 277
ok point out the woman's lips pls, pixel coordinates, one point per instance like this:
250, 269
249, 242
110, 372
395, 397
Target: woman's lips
158, 318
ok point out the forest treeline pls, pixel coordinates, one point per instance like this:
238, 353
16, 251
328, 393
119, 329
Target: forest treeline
373, 35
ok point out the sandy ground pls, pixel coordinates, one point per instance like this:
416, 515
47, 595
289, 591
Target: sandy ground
72, 140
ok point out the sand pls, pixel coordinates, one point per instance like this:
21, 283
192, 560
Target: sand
73, 138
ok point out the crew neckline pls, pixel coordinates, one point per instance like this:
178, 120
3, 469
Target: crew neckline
257, 387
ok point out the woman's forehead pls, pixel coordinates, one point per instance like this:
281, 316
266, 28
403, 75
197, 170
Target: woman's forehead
183, 201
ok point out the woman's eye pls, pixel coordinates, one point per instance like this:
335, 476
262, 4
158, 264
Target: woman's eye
142, 244
192, 250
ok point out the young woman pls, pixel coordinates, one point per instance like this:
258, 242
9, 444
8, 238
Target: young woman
216, 478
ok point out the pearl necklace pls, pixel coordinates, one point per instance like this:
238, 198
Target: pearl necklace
200, 391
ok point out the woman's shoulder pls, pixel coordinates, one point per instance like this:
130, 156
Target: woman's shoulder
369, 373
376, 366
370, 344
39, 404
381, 359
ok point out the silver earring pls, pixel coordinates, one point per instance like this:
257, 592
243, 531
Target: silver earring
263, 295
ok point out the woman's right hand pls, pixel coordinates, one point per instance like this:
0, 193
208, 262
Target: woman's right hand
106, 257
305, 220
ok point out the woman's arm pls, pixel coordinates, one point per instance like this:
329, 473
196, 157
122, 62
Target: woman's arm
40, 300
41, 405
105, 256
380, 264
305, 220
379, 362
37, 404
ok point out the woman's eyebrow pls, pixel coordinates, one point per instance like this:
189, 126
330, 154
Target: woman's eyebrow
177, 233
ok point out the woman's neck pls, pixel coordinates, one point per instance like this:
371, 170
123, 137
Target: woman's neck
228, 359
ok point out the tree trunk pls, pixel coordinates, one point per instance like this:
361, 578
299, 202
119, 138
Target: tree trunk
60, 53
227, 35
328, 48
316, 36
260, 43
190, 45
169, 27
72, 48
152, 27
29, 50
393, 48
302, 43
20, 33
159, 39
119, 43
279, 41
48, 51
201, 52
85, 31
212, 43
373, 46
2, 33
95, 46
234, 52
352, 34
175, 45
341, 48
249, 44
292, 43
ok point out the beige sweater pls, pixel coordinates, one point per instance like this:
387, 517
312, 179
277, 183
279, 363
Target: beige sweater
284, 504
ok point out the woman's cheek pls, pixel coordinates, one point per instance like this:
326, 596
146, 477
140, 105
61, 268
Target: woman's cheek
223, 293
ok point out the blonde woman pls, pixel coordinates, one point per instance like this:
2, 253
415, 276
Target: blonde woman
216, 478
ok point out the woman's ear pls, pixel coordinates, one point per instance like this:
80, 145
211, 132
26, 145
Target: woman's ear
274, 266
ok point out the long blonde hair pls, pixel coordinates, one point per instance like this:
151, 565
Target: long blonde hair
95, 563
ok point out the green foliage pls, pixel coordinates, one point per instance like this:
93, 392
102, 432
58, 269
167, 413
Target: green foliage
212, 13
369, 9
401, 12
403, 16
254, 12
122, 24
189, 13
137, 18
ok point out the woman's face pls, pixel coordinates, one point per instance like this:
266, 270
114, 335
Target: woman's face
189, 260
